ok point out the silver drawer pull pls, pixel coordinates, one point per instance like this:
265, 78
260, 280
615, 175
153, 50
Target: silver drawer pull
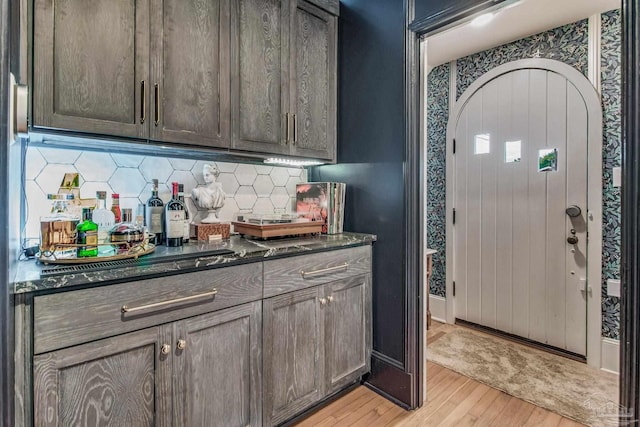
306, 274
126, 309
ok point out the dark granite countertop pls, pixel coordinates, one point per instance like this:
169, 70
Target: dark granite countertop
190, 257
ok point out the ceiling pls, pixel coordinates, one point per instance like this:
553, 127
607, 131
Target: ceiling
512, 22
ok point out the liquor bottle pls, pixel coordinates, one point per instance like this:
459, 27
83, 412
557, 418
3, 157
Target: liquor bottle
174, 219
87, 235
154, 215
115, 207
105, 220
186, 230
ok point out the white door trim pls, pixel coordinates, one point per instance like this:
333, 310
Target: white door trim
594, 189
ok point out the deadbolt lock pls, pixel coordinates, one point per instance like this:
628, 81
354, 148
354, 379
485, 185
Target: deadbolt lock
572, 239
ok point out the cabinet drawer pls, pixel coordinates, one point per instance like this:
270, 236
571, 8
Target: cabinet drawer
290, 274
70, 318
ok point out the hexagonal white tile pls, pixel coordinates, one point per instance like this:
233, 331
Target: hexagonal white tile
127, 160
263, 205
280, 198
291, 185
229, 183
128, 182
51, 176
185, 178
89, 188
226, 167
263, 186
264, 170
94, 166
228, 211
279, 176
245, 197
59, 155
37, 206
294, 171
246, 174
182, 164
34, 163
155, 168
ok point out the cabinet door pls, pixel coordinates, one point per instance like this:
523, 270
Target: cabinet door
120, 381
90, 62
347, 331
293, 354
260, 75
190, 72
217, 375
313, 70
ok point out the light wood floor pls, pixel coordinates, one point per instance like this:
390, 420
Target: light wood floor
452, 400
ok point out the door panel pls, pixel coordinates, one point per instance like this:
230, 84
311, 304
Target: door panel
260, 84
190, 65
91, 57
514, 269
219, 384
313, 65
117, 381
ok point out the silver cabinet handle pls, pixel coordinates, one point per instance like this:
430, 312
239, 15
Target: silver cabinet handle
181, 344
286, 138
306, 274
165, 349
127, 309
295, 130
330, 299
323, 301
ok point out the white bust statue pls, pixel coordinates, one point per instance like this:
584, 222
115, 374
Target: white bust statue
210, 197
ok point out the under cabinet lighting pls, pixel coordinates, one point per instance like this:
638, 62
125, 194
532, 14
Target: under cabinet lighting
482, 20
291, 162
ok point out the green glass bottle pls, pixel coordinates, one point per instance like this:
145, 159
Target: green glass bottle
87, 235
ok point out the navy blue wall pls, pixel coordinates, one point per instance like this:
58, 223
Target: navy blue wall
371, 151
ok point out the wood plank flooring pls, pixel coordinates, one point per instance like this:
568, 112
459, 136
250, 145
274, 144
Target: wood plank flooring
453, 400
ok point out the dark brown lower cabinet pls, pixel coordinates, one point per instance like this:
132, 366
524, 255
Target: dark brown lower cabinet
200, 371
317, 341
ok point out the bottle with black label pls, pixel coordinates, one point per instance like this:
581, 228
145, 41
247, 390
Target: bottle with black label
174, 216
186, 232
154, 215
87, 235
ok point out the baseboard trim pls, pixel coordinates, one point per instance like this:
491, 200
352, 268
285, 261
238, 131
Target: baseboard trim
610, 355
438, 308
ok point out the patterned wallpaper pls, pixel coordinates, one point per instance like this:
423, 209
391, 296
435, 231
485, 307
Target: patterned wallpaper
258, 187
438, 113
611, 92
569, 44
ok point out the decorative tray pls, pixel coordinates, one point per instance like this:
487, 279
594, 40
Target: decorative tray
133, 251
265, 231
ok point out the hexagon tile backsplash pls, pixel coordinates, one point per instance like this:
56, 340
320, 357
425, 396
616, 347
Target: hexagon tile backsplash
257, 187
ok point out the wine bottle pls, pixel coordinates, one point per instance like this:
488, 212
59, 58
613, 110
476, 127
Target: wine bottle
154, 214
87, 235
186, 230
115, 207
174, 215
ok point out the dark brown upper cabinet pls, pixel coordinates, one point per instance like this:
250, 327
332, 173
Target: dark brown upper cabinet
283, 78
190, 72
258, 76
155, 69
91, 66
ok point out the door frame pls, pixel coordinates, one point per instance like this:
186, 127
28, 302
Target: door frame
594, 189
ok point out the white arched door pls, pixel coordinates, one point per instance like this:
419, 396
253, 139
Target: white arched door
520, 199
